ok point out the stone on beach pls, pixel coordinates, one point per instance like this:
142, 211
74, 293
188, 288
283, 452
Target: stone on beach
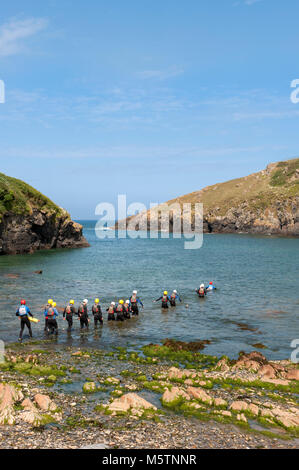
130, 401
9, 395
200, 395
44, 402
174, 394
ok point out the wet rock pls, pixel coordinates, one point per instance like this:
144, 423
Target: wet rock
184, 346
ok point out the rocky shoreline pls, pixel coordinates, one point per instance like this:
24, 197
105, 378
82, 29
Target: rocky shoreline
159, 396
39, 231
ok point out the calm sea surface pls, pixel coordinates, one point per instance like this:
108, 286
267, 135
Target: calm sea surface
257, 300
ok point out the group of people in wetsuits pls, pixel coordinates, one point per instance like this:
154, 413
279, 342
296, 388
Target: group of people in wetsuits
120, 311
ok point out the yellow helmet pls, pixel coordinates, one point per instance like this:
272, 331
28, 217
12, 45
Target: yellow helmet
96, 301
121, 301
50, 301
72, 301
165, 292
54, 304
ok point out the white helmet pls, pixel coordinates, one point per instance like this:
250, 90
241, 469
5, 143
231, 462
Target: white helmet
134, 291
85, 301
127, 301
112, 303
175, 291
201, 285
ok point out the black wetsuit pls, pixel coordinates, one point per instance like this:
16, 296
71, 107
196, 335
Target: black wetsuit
24, 322
134, 301
111, 314
120, 313
127, 311
68, 313
201, 293
83, 315
97, 314
165, 299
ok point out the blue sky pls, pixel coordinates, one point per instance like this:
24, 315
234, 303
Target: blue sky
147, 98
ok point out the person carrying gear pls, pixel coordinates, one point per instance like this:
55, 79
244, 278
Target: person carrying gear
211, 286
120, 311
127, 309
68, 313
134, 301
165, 299
97, 313
201, 291
52, 314
83, 314
50, 301
174, 296
111, 311
23, 312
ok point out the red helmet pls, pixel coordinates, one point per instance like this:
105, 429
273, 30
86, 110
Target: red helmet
211, 282
23, 302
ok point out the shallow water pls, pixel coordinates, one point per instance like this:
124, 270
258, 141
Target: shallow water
257, 300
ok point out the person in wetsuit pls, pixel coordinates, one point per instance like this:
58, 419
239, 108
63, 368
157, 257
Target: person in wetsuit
165, 299
201, 291
120, 311
211, 286
52, 314
68, 314
134, 301
50, 301
24, 312
83, 314
97, 313
174, 296
127, 309
111, 311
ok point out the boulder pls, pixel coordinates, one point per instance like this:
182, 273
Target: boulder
292, 374
239, 405
130, 401
267, 371
200, 395
220, 402
44, 402
9, 395
174, 394
254, 409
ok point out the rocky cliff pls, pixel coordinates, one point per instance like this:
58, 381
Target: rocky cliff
265, 202
29, 221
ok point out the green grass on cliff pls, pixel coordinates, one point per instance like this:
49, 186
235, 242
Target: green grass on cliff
258, 191
19, 198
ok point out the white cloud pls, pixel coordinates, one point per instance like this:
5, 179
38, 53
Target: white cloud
13, 33
160, 74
